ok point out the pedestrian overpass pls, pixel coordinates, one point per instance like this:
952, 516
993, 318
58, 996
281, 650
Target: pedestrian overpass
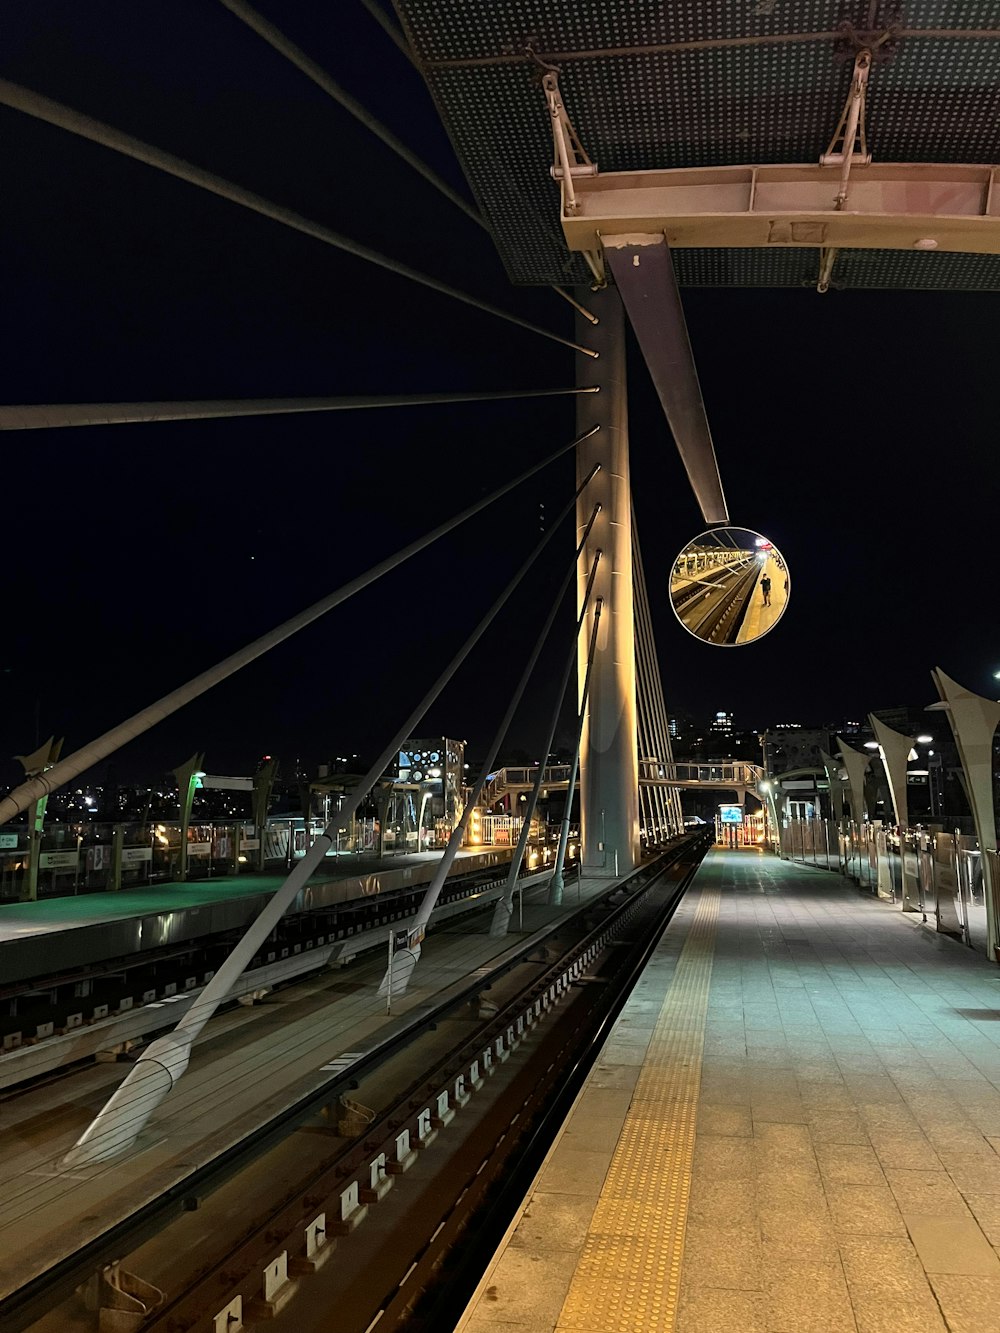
739, 777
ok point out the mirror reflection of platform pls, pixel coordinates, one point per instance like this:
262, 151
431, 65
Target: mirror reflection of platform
729, 586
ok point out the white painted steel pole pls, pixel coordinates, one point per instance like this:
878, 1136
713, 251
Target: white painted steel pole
505, 906
162, 1064
433, 892
557, 884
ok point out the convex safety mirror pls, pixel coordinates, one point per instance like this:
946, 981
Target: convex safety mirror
729, 586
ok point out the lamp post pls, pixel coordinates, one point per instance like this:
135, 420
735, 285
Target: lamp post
44, 757
189, 778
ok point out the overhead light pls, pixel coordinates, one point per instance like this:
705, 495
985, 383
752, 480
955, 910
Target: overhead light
871, 745
925, 739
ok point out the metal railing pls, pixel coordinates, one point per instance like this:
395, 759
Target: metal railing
935, 873
727, 776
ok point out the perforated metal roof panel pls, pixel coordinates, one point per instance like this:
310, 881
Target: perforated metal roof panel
684, 83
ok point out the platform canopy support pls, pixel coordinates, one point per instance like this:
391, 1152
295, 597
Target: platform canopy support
974, 720
644, 274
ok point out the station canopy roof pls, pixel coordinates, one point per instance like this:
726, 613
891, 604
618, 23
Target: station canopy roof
653, 84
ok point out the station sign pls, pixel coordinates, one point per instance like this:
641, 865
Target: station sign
731, 814
58, 860
135, 856
8, 840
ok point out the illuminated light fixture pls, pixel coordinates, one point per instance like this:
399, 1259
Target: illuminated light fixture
242, 859
871, 745
924, 740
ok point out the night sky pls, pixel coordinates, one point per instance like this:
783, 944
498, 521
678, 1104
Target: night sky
855, 430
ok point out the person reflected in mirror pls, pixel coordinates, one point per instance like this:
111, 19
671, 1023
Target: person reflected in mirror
765, 587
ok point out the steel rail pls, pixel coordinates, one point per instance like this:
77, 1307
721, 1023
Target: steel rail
28, 1303
329, 1175
446, 1303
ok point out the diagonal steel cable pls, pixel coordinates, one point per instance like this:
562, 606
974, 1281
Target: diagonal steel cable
31, 103
66, 769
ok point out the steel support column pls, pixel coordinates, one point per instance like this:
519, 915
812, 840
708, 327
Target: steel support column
609, 786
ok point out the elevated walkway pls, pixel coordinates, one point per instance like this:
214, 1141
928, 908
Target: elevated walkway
715, 776
794, 1128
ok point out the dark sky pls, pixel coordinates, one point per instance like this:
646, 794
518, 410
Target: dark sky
854, 429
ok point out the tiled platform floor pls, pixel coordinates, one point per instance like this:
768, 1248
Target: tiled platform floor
845, 1172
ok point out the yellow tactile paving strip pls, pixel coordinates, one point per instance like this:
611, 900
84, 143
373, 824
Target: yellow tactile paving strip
630, 1267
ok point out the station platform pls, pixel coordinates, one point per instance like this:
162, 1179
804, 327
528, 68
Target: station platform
793, 1128
52, 934
760, 618
248, 1066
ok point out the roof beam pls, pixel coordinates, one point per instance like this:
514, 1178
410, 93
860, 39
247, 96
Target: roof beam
644, 275
893, 206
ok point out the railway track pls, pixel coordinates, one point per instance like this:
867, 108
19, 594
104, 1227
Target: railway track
520, 1055
715, 614
518, 971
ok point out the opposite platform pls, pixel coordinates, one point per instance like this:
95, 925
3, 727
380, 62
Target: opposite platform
794, 1128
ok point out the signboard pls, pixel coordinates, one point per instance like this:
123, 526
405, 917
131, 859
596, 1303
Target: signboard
249, 844
199, 849
731, 814
136, 856
222, 847
58, 861
99, 857
8, 839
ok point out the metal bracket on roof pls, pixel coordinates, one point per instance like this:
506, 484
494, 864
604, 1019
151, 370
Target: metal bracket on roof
848, 146
849, 143
570, 156
570, 159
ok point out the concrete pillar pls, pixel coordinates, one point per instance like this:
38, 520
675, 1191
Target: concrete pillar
609, 785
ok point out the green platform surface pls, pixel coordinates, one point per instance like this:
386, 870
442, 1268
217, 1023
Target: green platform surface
86, 909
